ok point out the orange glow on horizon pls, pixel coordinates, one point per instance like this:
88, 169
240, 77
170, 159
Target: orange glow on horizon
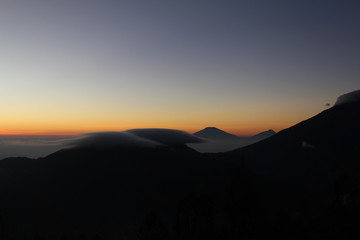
241, 123
67, 132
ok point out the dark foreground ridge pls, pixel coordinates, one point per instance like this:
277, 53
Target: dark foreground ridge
302, 183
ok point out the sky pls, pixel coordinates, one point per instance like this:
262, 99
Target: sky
77, 66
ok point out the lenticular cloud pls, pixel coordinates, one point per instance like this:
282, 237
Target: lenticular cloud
165, 136
114, 139
136, 138
348, 98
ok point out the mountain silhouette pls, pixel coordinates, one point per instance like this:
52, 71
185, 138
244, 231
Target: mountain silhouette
301, 183
217, 140
334, 129
302, 164
97, 190
264, 135
215, 133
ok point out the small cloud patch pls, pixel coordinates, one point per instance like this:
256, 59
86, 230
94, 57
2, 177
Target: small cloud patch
305, 144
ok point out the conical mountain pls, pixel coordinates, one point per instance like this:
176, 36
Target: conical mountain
215, 134
264, 134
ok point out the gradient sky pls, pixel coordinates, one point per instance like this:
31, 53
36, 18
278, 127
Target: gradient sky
74, 66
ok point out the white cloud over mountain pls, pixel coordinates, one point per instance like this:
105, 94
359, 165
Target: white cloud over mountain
348, 98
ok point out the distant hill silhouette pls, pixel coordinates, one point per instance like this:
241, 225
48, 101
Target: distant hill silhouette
216, 134
264, 135
217, 140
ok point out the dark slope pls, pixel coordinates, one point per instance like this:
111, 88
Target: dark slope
301, 165
104, 190
334, 129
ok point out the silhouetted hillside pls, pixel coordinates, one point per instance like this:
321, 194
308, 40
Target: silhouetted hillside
334, 129
310, 167
104, 191
301, 183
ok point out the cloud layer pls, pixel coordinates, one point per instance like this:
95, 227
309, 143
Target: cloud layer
114, 139
136, 138
41, 146
32, 146
166, 136
348, 98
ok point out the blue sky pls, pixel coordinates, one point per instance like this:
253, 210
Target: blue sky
245, 66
